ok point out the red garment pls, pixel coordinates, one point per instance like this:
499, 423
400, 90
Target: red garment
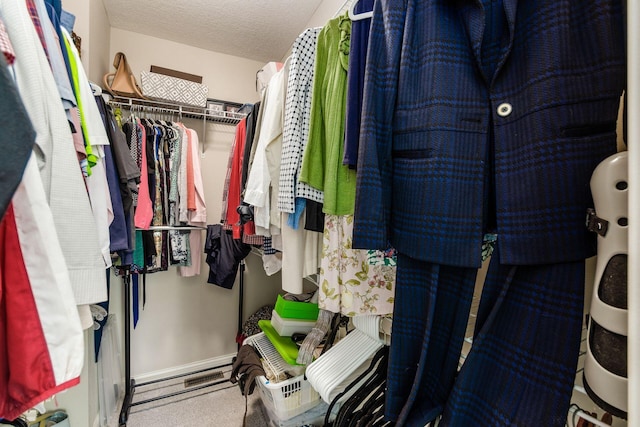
5, 45
35, 18
235, 179
26, 371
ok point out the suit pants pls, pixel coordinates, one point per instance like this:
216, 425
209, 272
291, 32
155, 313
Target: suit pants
522, 364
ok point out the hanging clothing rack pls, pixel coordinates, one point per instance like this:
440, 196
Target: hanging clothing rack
189, 111
130, 383
221, 117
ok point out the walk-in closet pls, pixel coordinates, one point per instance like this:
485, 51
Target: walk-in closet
319, 213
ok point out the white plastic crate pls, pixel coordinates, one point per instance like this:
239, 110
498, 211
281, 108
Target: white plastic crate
288, 398
313, 417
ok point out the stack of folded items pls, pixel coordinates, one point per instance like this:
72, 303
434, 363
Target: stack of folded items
293, 317
290, 322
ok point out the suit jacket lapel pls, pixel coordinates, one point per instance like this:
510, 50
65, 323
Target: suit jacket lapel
510, 7
472, 14
473, 17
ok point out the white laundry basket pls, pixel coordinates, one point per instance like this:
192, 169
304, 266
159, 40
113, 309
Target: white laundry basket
288, 398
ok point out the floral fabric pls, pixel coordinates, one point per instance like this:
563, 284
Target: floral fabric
349, 283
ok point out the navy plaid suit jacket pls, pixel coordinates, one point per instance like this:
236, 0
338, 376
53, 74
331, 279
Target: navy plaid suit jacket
429, 113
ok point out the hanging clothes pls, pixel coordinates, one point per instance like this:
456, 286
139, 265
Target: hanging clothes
264, 177
300, 248
26, 341
224, 254
128, 176
5, 45
57, 161
232, 184
17, 137
95, 137
197, 216
297, 115
509, 143
322, 160
41, 338
355, 82
251, 127
349, 283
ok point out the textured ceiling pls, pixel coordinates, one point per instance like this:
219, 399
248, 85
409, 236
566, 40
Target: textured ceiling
262, 30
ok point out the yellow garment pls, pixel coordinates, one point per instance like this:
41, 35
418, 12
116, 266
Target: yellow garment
92, 160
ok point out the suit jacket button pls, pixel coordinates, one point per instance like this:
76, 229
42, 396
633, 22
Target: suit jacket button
504, 109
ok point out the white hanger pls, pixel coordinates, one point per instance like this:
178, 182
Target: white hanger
360, 16
330, 373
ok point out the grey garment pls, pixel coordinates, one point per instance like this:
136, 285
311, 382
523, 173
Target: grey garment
250, 148
128, 171
16, 139
252, 123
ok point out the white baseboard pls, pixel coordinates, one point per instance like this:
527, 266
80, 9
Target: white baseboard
184, 369
96, 421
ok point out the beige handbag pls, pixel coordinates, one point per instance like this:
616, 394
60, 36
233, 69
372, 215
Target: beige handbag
122, 82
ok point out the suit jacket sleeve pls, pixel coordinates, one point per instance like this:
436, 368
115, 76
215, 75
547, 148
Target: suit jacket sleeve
373, 194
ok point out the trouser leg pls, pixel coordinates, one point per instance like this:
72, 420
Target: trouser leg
521, 367
431, 309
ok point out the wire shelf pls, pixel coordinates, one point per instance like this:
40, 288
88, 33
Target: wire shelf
189, 111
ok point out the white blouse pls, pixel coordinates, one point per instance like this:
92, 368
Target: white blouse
263, 180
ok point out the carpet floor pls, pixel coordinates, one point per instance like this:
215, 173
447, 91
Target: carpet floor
216, 405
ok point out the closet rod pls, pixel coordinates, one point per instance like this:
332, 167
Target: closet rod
171, 227
633, 266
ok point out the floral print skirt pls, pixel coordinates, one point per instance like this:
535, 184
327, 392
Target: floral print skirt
353, 281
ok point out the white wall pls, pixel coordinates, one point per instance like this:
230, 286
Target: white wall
92, 26
99, 61
227, 77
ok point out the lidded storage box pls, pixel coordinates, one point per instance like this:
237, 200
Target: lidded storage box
165, 88
296, 310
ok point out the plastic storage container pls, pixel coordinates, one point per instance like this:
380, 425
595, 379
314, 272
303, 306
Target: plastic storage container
285, 346
313, 417
287, 327
289, 398
296, 310
284, 399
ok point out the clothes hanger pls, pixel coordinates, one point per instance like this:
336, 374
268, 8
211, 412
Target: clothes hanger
365, 413
367, 398
326, 371
360, 16
374, 378
378, 359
